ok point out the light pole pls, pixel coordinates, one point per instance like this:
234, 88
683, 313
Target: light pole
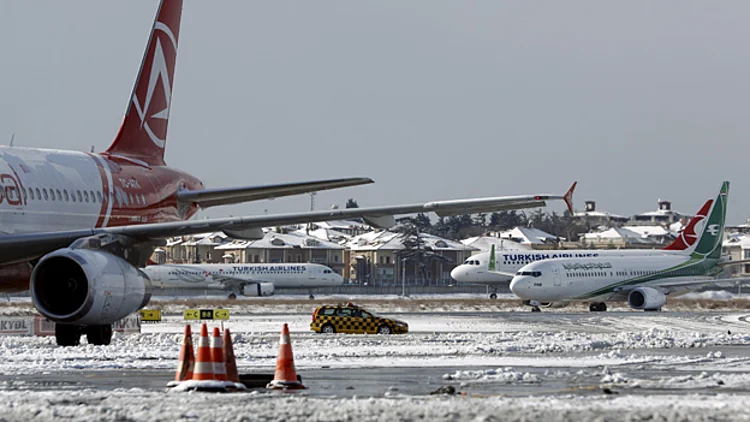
403, 277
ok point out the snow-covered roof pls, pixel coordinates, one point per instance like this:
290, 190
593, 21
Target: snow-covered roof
622, 233
485, 243
206, 239
600, 214
387, 240
328, 235
651, 231
737, 239
273, 240
528, 235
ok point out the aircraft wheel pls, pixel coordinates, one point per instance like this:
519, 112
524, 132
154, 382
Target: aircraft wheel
99, 335
312, 297
535, 309
327, 329
67, 335
597, 307
493, 295
232, 296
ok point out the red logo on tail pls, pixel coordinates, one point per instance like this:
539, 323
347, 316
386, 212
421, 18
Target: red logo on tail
687, 236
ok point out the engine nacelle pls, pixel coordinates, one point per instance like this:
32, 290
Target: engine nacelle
87, 287
258, 289
646, 298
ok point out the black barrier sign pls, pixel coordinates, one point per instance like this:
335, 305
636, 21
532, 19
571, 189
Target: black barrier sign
198, 314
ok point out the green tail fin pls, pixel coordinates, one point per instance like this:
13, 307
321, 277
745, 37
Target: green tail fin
491, 266
709, 244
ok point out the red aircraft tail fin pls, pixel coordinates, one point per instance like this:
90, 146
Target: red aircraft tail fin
685, 241
143, 133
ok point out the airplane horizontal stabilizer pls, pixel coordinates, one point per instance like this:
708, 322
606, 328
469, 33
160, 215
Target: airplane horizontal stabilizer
213, 197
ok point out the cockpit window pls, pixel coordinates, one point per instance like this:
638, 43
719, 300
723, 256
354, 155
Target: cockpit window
530, 273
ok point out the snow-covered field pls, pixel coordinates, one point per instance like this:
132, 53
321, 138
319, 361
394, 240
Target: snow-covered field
511, 365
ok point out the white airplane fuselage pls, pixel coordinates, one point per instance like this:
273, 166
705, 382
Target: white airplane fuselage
562, 280
475, 270
210, 276
44, 190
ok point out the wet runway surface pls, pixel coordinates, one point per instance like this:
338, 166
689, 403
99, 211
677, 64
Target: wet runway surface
647, 368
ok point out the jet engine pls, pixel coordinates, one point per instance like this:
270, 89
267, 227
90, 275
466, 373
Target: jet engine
87, 287
646, 298
258, 289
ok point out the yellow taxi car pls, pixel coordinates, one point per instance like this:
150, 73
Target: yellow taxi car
350, 318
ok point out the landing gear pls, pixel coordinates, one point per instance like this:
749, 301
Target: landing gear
232, 296
493, 295
99, 335
67, 335
535, 309
598, 307
311, 296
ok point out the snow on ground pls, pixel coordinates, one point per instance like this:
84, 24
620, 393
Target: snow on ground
129, 405
516, 340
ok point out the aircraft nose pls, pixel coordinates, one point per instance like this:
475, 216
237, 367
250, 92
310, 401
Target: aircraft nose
459, 273
518, 285
337, 279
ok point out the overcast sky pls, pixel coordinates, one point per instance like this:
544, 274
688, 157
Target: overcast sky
637, 100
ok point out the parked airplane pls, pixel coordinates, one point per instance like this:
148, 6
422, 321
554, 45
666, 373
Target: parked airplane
243, 279
643, 281
496, 269
77, 226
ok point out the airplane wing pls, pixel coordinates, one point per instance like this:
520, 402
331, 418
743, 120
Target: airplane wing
230, 282
213, 197
27, 247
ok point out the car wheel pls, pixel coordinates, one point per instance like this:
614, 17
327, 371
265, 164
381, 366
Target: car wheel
328, 329
384, 329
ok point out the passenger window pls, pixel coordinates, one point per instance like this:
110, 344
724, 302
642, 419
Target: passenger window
80, 197
44, 191
31, 193
65, 194
59, 196
99, 196
328, 311
38, 193
86, 196
365, 315
23, 190
344, 312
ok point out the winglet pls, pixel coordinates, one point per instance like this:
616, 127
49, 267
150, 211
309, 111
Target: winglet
568, 197
491, 265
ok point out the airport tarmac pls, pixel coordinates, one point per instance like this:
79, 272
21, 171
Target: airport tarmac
509, 366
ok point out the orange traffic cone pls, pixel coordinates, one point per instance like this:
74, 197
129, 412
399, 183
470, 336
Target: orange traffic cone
229, 361
204, 366
217, 356
187, 359
286, 375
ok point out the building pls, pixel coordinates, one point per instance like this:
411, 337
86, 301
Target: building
617, 237
529, 236
485, 243
284, 247
387, 258
664, 215
594, 218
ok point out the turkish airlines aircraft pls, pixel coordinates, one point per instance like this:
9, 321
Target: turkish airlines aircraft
498, 269
644, 282
76, 226
243, 279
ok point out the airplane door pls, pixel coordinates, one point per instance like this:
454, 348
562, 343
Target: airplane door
556, 276
313, 273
